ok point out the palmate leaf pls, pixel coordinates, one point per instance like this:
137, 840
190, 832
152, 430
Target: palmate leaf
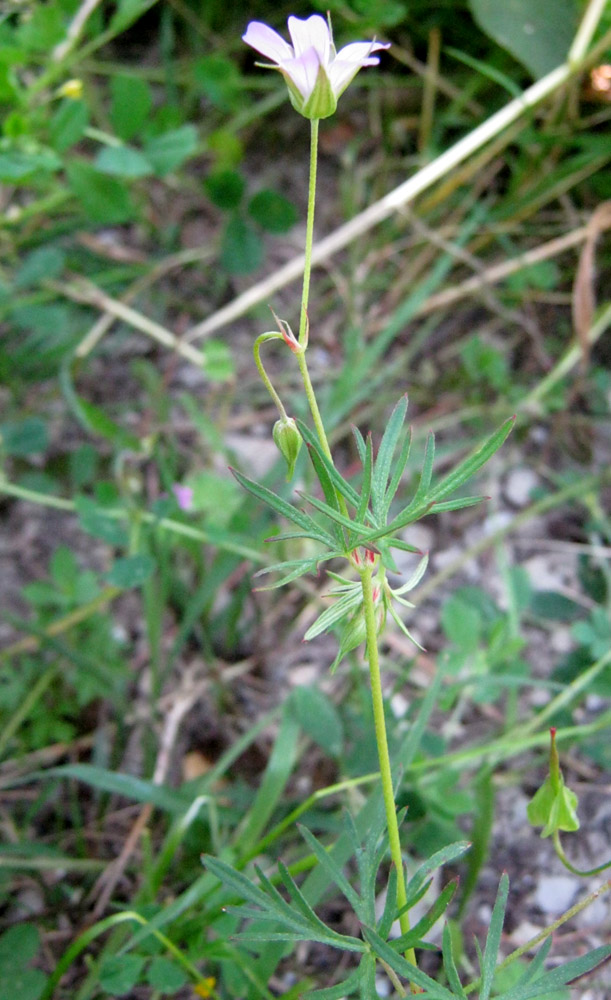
422, 493
360, 443
438, 508
341, 485
342, 607
470, 465
344, 941
332, 513
349, 986
414, 937
436, 860
383, 462
399, 469
292, 569
331, 868
366, 485
303, 520
417, 508
431, 989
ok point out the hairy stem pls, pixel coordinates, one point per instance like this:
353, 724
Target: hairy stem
383, 754
307, 268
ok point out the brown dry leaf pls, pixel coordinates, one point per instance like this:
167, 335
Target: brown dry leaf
195, 765
584, 294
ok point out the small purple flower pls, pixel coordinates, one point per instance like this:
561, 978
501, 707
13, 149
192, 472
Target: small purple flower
184, 496
315, 74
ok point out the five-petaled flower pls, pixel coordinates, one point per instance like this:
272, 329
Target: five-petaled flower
315, 74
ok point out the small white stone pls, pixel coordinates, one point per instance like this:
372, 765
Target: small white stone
524, 933
399, 705
519, 485
555, 893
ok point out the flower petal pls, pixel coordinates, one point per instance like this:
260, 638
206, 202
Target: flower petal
267, 41
311, 33
303, 71
359, 52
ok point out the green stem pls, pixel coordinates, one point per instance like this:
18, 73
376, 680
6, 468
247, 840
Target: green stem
383, 754
311, 397
567, 864
264, 376
307, 269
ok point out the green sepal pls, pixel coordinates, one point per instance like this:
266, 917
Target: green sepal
553, 808
288, 442
322, 102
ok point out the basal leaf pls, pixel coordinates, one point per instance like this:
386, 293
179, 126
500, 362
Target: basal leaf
410, 972
557, 978
493, 939
414, 936
449, 964
332, 868
436, 860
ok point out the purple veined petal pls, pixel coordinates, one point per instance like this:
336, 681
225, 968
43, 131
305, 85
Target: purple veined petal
311, 33
303, 71
268, 42
358, 52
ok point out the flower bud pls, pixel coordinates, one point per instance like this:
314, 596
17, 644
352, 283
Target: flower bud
554, 806
288, 442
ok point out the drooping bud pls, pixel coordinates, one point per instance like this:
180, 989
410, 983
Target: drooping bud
554, 806
288, 442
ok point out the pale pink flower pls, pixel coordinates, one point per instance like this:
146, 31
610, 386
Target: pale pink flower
184, 496
315, 74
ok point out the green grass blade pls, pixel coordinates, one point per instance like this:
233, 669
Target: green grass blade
277, 773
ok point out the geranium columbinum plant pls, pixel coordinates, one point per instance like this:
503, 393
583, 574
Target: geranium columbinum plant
360, 525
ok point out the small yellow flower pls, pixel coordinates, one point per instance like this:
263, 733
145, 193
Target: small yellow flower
73, 89
205, 987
